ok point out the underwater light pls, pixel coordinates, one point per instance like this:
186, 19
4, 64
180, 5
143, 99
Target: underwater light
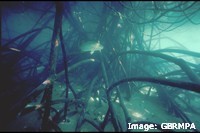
136, 114
92, 99
144, 90
28, 105
117, 100
119, 25
97, 99
120, 15
92, 60
146, 111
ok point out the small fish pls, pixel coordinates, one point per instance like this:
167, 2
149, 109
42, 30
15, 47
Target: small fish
56, 43
91, 46
46, 82
14, 49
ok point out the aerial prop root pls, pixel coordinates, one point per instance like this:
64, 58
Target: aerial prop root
173, 83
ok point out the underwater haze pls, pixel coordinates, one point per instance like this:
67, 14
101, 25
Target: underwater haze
100, 66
